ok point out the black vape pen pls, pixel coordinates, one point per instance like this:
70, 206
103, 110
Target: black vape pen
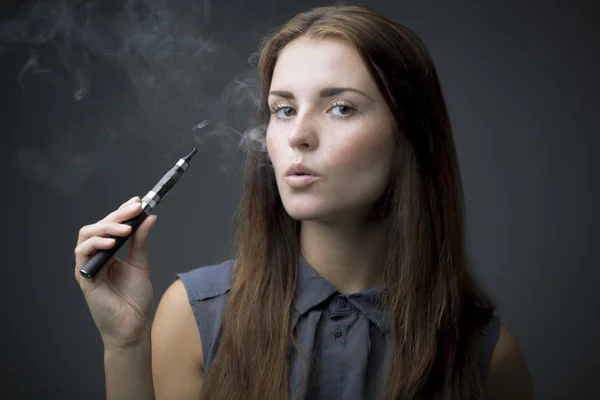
149, 203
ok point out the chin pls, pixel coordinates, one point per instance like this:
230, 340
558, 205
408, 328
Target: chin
313, 211
303, 214
305, 210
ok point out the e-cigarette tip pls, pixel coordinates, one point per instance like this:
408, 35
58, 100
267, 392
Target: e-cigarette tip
189, 156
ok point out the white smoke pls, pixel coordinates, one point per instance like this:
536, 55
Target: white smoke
172, 63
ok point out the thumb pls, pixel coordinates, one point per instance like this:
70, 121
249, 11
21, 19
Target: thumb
138, 245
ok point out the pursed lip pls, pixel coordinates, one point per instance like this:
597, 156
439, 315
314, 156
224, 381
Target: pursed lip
299, 169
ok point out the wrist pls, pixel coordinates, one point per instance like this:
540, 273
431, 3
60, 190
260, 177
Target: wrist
140, 342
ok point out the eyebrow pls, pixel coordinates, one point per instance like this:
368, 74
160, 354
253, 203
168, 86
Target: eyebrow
326, 92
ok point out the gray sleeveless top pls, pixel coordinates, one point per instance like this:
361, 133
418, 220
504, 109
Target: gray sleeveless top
346, 333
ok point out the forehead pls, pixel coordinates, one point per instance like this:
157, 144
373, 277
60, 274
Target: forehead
307, 63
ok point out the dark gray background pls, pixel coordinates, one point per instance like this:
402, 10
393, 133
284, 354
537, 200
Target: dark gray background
96, 107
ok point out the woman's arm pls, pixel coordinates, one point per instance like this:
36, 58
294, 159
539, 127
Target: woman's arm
508, 376
177, 360
128, 372
167, 364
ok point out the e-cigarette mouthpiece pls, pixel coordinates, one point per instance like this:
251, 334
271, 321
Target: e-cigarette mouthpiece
189, 157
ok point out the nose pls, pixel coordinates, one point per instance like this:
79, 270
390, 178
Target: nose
304, 133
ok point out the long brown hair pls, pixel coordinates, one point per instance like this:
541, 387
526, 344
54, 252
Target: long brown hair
433, 304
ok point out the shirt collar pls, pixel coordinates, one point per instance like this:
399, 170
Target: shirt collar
312, 290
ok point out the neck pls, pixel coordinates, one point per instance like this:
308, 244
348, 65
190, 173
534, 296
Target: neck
349, 255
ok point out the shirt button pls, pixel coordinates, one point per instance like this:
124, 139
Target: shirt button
341, 302
337, 332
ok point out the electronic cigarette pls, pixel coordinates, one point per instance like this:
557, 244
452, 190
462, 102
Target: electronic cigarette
149, 203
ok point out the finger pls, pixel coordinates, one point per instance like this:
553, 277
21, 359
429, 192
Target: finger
130, 201
138, 245
103, 229
85, 250
125, 213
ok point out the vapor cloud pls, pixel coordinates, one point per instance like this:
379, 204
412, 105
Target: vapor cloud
175, 67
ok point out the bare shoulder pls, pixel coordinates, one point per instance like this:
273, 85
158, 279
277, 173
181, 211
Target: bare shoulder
508, 376
177, 361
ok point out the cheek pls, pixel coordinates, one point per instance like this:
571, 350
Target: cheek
272, 151
365, 153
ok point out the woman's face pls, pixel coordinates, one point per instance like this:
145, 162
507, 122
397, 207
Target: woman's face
328, 115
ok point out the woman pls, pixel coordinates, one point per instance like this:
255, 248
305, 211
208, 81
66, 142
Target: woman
349, 282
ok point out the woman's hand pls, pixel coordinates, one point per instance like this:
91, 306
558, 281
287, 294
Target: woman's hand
120, 297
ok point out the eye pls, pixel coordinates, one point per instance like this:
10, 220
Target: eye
287, 112
282, 111
343, 109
